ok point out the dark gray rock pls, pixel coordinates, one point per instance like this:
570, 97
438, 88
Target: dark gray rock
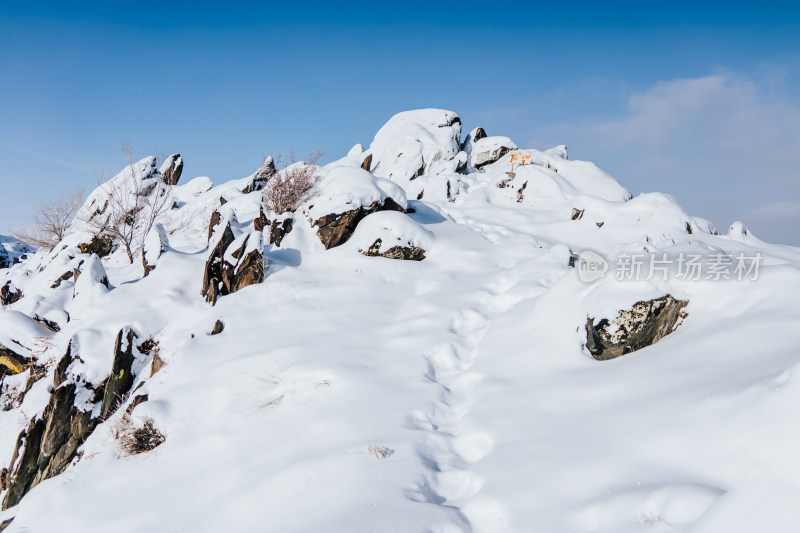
643, 325
407, 253
337, 228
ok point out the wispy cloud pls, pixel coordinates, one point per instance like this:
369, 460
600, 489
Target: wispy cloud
49, 159
724, 144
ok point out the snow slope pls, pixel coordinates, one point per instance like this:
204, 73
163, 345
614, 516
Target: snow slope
454, 394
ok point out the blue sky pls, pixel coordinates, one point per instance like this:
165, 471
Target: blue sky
700, 101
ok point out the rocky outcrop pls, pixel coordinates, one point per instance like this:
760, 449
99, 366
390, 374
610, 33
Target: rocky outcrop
278, 228
212, 276
51, 441
335, 229
233, 264
643, 325
9, 294
408, 253
262, 175
155, 244
171, 169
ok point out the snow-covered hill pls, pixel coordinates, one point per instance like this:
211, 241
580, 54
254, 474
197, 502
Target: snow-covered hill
11, 250
430, 344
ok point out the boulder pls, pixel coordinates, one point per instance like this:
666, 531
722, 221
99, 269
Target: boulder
9, 294
243, 265
488, 150
408, 253
335, 229
171, 169
121, 378
101, 245
413, 143
643, 325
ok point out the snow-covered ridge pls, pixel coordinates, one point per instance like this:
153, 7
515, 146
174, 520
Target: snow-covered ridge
451, 392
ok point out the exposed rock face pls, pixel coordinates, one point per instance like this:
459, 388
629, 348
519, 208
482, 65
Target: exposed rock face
171, 169
409, 253
9, 294
100, 245
279, 229
212, 277
121, 378
488, 150
367, 162
261, 221
216, 218
218, 328
50, 442
233, 264
645, 324
262, 175
335, 229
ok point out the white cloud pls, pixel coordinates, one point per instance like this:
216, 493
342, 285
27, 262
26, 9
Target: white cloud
725, 144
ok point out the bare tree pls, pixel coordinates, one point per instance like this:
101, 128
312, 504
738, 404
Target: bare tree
132, 207
287, 188
52, 220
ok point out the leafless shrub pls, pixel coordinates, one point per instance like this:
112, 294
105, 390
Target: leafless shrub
132, 208
51, 221
290, 186
134, 440
379, 452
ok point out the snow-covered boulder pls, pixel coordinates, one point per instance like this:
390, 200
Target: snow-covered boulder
392, 235
643, 325
487, 150
155, 243
413, 143
346, 195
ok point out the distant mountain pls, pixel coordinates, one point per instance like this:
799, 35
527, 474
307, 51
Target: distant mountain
11, 250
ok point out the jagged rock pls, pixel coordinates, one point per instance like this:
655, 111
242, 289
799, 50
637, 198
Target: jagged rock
243, 265
171, 169
216, 218
218, 328
367, 162
60, 374
261, 221
645, 324
121, 379
156, 365
279, 229
577, 214
9, 294
212, 277
487, 150
233, 264
409, 253
64, 277
137, 400
335, 229
100, 245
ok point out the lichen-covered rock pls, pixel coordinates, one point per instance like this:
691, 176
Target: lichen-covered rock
643, 325
121, 378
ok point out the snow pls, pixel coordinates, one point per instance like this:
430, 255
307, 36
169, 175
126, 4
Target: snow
453, 394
